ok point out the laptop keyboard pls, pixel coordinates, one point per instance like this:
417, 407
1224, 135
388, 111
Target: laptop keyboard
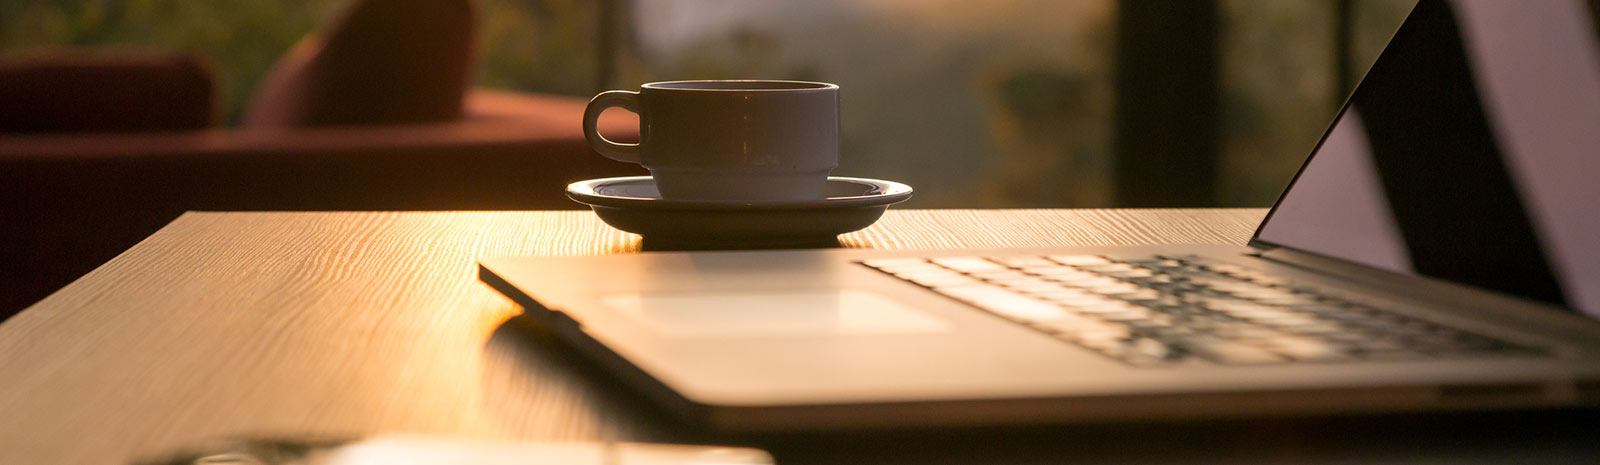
1161, 310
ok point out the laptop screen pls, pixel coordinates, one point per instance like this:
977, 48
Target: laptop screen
1469, 153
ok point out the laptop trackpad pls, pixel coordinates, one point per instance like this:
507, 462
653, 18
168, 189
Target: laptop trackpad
776, 313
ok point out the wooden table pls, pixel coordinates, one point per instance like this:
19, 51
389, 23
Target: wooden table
340, 324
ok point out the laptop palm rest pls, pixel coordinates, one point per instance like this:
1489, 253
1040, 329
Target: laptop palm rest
771, 313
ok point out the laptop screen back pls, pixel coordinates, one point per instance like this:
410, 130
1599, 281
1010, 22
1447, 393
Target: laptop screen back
1469, 153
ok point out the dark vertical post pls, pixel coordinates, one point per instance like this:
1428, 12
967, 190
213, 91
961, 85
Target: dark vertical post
1343, 35
1594, 15
1167, 139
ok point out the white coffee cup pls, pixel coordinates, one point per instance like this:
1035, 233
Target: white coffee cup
728, 140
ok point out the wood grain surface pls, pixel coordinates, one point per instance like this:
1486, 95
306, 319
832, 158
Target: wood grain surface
344, 324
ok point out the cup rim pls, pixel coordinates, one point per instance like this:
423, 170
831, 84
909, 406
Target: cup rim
799, 86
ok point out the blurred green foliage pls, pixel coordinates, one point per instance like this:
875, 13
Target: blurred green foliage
1280, 91
241, 37
538, 45
542, 45
997, 104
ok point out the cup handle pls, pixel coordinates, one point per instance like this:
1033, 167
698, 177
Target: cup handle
591, 115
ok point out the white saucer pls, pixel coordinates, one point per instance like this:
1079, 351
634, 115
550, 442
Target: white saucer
632, 204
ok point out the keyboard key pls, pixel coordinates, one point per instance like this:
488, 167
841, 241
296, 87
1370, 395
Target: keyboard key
1105, 332
1357, 337
1139, 273
1055, 271
1318, 328
1153, 348
940, 281
1153, 322
1231, 306
1024, 262
1037, 290
889, 263
1000, 275
1102, 306
1009, 304
1388, 354
1132, 314
1084, 281
1071, 328
1115, 289
1143, 295
1227, 268
1076, 260
940, 278
1307, 349
968, 264
1107, 268
1064, 293
1229, 352
930, 272
1164, 264
1250, 333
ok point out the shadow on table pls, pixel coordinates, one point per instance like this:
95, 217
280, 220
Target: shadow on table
606, 403
657, 245
538, 387
660, 245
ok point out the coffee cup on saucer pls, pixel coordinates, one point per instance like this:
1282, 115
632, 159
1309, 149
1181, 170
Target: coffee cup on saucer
734, 141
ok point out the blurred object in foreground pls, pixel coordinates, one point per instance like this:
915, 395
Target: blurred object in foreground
424, 450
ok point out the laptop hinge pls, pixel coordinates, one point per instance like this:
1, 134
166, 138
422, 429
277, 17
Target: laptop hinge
1260, 246
1311, 262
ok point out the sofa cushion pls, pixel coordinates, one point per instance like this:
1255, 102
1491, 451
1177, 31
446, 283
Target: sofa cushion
380, 62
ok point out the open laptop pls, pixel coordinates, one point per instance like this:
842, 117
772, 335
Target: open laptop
1439, 250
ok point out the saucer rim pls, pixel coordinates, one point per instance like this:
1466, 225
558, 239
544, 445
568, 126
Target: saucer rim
584, 192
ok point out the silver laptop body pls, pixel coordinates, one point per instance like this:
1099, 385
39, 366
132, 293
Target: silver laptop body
1407, 268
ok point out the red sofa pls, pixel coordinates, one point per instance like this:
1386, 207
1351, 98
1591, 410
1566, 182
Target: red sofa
373, 112
69, 201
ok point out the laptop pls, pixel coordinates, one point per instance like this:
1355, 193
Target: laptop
1437, 251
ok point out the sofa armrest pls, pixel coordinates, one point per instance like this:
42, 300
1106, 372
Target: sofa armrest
500, 157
